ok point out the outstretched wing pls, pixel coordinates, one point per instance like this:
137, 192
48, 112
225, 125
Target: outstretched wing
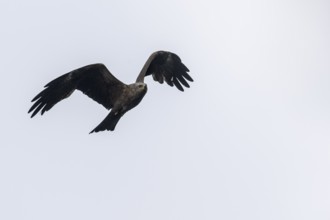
94, 80
166, 66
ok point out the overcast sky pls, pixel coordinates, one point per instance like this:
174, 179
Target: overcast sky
249, 140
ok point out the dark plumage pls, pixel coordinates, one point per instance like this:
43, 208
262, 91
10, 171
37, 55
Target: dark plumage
98, 83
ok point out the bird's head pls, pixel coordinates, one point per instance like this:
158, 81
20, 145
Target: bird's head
139, 87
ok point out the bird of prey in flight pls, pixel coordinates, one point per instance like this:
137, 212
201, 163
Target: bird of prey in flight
98, 83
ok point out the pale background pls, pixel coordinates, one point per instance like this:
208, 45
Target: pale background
249, 140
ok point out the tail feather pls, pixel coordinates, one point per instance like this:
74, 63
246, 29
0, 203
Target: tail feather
109, 123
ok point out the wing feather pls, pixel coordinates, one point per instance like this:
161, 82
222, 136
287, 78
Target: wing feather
94, 80
166, 66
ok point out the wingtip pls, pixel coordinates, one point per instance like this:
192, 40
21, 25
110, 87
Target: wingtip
33, 114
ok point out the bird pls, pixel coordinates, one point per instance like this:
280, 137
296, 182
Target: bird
97, 82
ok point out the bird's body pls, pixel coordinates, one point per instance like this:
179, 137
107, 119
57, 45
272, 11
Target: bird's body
98, 83
131, 97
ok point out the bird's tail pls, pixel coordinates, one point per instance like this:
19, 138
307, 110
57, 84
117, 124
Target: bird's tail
109, 123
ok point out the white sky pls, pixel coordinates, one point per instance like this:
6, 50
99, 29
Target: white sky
249, 140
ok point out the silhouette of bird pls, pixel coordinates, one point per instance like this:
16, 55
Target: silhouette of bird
98, 83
